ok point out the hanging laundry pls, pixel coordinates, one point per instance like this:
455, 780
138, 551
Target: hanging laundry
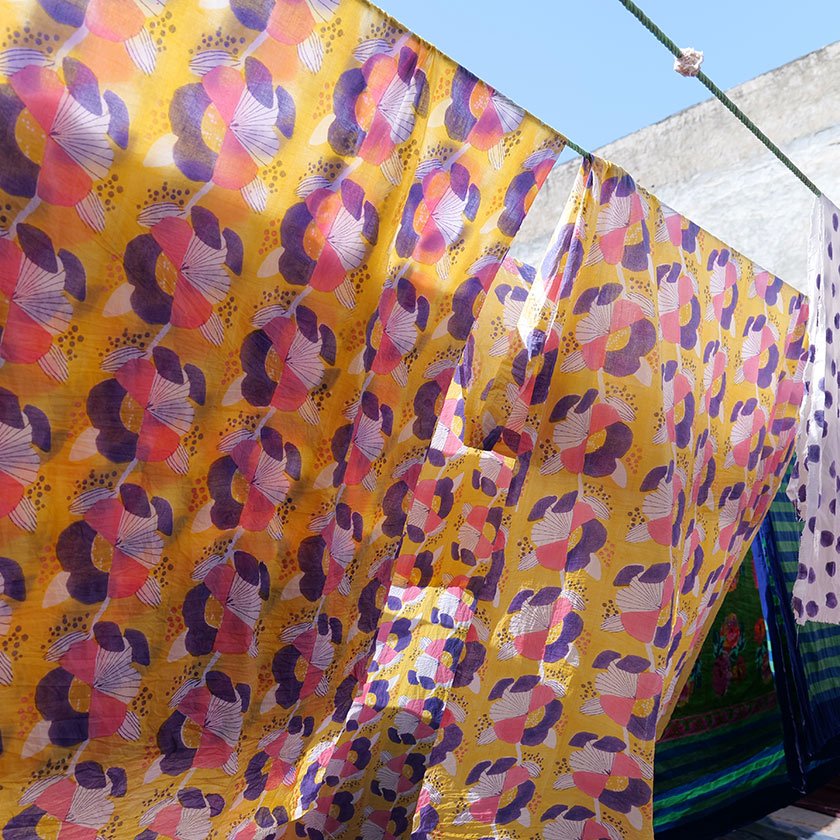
816, 483
806, 658
722, 756
613, 437
244, 245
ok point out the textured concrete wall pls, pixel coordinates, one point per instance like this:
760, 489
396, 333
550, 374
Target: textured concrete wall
705, 164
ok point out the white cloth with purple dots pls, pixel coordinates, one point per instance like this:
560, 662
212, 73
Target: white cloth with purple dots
815, 485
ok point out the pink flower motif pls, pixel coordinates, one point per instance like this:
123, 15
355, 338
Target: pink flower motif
179, 270
623, 206
102, 669
759, 352
392, 331
252, 480
20, 431
276, 762
203, 730
723, 283
749, 432
284, 360
523, 711
73, 807
37, 283
627, 692
252, 115
544, 625
73, 123
434, 212
603, 769
663, 507
679, 306
479, 115
714, 378
326, 236
499, 791
185, 816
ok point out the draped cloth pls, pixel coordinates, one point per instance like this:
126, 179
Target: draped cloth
292, 543
806, 658
605, 454
244, 244
816, 483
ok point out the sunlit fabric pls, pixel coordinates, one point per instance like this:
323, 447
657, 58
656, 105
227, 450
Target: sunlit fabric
244, 244
606, 452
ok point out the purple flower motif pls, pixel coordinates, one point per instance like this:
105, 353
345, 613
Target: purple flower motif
204, 729
179, 271
434, 212
522, 190
145, 409
299, 667
221, 613
276, 761
523, 711
101, 667
76, 804
499, 791
326, 236
376, 105
543, 625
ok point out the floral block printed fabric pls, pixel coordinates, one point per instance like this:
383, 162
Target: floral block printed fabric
243, 245
612, 438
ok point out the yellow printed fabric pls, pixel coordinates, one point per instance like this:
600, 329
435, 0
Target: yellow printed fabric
243, 245
612, 438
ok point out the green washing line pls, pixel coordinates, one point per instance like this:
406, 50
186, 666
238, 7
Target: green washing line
720, 95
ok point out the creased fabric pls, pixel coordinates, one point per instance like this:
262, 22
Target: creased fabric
609, 445
816, 483
243, 246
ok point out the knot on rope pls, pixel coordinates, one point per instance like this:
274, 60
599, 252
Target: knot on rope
688, 62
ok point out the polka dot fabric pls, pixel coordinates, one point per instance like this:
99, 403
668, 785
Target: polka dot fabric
815, 485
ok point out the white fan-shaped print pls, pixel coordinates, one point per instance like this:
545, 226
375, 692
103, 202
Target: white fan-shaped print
342, 547
397, 106
17, 458
345, 237
488, 785
142, 51
194, 824
322, 10
304, 360
224, 719
322, 653
510, 115
614, 215
400, 328
574, 430
204, 267
368, 437
90, 808
270, 478
669, 297
595, 325
169, 403
591, 760
243, 600
139, 539
660, 503
253, 125
511, 704
114, 676
40, 294
83, 135
447, 215
151, 8
742, 429
640, 597
5, 617
552, 528
530, 619
617, 683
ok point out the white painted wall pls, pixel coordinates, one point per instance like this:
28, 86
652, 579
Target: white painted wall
705, 164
